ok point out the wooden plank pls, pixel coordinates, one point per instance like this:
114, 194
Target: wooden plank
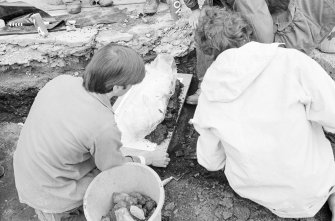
133, 150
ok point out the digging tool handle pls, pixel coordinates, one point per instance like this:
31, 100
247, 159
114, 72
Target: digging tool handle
167, 180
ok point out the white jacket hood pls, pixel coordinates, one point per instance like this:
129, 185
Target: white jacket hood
235, 69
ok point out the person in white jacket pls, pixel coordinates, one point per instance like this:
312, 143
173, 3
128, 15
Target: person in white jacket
261, 116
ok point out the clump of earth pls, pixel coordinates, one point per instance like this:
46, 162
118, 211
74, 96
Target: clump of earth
131, 207
170, 121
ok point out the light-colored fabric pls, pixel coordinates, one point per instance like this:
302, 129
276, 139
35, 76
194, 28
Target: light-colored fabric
67, 134
144, 106
306, 24
261, 114
302, 26
76, 214
257, 14
328, 44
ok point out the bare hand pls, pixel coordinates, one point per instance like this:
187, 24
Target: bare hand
157, 158
194, 18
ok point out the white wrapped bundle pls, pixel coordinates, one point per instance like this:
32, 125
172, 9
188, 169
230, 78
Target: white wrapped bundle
145, 104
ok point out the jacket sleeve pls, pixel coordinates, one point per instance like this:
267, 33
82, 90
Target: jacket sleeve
192, 4
257, 13
106, 149
210, 152
319, 88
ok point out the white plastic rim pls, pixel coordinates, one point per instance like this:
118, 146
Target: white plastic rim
106, 192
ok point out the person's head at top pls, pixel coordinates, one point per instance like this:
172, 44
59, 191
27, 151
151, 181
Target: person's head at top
220, 29
113, 70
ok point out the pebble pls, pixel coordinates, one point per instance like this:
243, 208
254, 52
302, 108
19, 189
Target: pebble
242, 213
226, 202
137, 212
170, 206
228, 194
179, 153
226, 215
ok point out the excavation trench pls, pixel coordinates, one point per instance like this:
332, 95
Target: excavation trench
198, 195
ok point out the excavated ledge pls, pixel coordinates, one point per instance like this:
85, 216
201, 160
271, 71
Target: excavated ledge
28, 61
155, 34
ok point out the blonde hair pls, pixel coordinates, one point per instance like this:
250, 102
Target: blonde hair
219, 29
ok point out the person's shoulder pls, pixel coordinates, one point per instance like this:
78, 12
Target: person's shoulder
66, 82
65, 78
292, 52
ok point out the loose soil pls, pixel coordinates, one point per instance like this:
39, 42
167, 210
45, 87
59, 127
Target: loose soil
170, 120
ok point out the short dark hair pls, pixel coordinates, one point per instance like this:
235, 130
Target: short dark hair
276, 6
220, 29
113, 65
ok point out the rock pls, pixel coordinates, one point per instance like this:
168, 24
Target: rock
118, 197
242, 213
108, 36
228, 194
170, 206
218, 211
226, 202
226, 215
179, 153
123, 215
150, 205
9, 135
137, 212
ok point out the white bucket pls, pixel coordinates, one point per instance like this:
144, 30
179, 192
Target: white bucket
126, 178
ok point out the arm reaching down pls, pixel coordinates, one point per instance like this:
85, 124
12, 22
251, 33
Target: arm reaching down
106, 150
320, 91
210, 152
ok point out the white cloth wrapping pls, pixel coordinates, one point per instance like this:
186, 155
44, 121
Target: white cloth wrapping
261, 116
144, 106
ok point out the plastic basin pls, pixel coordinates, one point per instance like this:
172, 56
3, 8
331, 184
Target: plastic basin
125, 178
